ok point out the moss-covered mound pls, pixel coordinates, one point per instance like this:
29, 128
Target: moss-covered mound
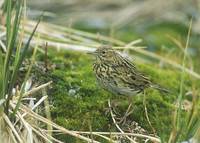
80, 104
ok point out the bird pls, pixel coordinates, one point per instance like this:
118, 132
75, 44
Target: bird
118, 74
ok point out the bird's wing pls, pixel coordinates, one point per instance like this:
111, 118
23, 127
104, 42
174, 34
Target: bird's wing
129, 77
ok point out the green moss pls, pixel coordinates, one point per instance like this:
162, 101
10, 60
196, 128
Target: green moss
80, 104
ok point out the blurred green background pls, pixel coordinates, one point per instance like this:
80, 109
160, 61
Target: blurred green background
157, 22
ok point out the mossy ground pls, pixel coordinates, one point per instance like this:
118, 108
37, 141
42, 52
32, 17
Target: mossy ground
80, 104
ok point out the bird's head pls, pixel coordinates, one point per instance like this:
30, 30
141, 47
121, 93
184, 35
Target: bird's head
104, 54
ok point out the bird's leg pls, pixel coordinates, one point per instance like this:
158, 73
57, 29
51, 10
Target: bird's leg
113, 105
128, 112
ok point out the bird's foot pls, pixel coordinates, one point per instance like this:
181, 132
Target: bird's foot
128, 112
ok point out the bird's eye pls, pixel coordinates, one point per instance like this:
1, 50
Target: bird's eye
103, 52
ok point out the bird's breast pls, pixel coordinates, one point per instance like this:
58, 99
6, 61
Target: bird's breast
101, 70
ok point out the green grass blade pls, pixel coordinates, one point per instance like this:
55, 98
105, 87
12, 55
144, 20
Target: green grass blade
16, 23
11, 35
12, 30
21, 58
8, 10
25, 80
8, 6
14, 37
1, 75
179, 123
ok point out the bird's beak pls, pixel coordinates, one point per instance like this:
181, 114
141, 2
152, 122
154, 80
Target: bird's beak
92, 53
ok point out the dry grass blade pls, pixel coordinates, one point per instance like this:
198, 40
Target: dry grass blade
154, 139
133, 43
29, 137
12, 138
46, 121
39, 102
47, 111
41, 135
12, 128
54, 139
35, 106
85, 34
37, 88
104, 137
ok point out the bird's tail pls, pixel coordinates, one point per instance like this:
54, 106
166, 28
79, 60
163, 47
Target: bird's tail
160, 88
